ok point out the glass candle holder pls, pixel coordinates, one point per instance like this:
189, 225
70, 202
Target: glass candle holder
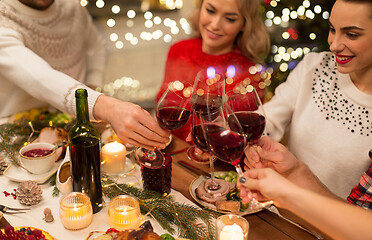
124, 213
232, 227
158, 179
75, 211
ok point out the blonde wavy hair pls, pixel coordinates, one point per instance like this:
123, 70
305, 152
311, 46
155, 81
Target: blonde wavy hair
254, 41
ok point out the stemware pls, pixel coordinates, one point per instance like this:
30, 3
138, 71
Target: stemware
224, 135
198, 138
172, 112
208, 90
247, 107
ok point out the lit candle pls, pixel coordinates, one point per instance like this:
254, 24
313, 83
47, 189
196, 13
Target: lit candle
76, 211
124, 213
113, 158
232, 232
232, 227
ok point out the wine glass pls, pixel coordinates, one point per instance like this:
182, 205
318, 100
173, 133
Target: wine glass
224, 135
208, 90
248, 109
172, 112
198, 137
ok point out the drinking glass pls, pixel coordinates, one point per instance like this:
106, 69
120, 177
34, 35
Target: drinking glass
200, 142
224, 135
172, 112
248, 109
208, 90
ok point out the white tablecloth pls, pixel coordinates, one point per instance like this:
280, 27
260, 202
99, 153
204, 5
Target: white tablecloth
34, 217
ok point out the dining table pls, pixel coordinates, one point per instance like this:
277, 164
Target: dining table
263, 225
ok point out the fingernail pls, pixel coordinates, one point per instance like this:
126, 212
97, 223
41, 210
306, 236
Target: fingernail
242, 179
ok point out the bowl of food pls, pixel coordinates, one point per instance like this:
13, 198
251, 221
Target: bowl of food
37, 158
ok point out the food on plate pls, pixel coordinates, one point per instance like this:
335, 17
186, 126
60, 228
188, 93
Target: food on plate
54, 135
230, 176
227, 198
144, 232
206, 195
228, 205
29, 233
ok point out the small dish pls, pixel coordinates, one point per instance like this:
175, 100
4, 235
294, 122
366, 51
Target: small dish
196, 182
19, 174
40, 161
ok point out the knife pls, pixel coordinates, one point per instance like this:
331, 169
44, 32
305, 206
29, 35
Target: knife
193, 169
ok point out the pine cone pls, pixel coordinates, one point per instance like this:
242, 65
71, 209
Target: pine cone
29, 193
3, 165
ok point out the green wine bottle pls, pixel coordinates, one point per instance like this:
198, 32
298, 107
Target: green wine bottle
85, 153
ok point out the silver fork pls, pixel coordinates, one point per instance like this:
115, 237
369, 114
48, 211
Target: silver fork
11, 210
273, 209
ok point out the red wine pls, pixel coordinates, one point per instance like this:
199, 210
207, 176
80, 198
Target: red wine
198, 138
85, 170
172, 118
207, 105
224, 143
158, 179
253, 125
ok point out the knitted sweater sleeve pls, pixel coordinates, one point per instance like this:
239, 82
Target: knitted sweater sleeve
279, 110
27, 70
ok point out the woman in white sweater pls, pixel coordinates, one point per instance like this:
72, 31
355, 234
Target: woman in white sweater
48, 49
325, 105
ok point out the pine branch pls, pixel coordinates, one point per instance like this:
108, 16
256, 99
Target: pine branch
186, 220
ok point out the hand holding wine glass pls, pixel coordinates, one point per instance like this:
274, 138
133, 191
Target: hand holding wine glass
172, 112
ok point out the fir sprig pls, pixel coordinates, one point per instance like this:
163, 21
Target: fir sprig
12, 137
185, 220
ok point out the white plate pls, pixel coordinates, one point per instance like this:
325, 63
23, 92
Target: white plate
19, 174
196, 182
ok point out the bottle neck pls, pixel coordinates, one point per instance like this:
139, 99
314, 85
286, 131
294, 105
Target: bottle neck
82, 111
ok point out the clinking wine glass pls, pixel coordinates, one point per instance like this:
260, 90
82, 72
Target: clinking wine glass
248, 109
224, 136
198, 137
172, 112
208, 90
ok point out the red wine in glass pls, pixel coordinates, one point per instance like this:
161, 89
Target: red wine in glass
198, 137
225, 144
172, 112
207, 105
253, 125
172, 118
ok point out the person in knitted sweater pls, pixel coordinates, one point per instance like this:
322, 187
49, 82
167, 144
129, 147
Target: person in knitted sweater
228, 32
50, 48
325, 105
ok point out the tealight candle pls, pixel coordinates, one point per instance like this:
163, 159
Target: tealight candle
75, 211
124, 213
113, 158
232, 227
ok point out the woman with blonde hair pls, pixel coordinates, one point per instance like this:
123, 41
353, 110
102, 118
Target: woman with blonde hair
228, 32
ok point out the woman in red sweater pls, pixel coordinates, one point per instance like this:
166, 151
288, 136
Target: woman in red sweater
229, 32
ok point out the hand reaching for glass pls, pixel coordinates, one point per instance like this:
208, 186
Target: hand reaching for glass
269, 153
263, 184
